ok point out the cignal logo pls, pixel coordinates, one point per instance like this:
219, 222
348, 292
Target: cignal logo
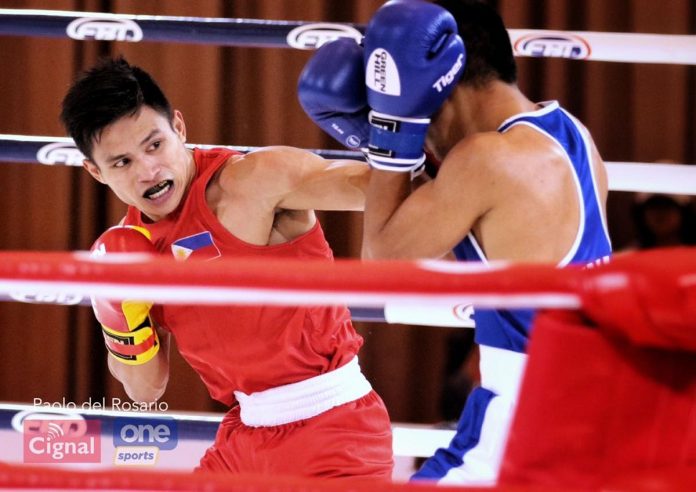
313, 36
561, 45
138, 441
104, 29
62, 441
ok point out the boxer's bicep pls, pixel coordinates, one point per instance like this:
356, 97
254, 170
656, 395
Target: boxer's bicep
329, 185
303, 180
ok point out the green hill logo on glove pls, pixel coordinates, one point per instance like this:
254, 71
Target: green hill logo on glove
381, 73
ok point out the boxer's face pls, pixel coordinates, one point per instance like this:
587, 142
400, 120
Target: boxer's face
142, 158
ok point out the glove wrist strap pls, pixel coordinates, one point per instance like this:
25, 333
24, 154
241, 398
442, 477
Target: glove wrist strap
133, 347
396, 143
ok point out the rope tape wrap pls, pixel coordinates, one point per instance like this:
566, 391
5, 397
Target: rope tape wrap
623, 176
586, 45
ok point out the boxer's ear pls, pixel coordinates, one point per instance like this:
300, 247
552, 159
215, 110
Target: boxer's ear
93, 170
178, 125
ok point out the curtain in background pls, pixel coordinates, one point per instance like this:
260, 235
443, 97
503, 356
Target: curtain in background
246, 96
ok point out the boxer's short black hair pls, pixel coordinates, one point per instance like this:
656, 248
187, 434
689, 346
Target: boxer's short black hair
489, 54
105, 93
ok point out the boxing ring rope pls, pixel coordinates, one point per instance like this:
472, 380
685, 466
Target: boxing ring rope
71, 278
623, 176
276, 281
601, 46
35, 478
294, 281
633, 276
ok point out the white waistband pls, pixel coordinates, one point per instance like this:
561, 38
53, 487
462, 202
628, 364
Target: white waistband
304, 399
502, 370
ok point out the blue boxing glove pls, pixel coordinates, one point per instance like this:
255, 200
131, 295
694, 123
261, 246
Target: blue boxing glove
331, 90
413, 59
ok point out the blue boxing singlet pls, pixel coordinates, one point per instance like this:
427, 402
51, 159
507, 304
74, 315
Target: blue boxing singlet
474, 455
509, 329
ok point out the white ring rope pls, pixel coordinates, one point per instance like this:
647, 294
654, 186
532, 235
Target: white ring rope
623, 176
653, 178
588, 45
605, 46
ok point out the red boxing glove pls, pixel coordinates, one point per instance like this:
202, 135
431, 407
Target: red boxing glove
128, 330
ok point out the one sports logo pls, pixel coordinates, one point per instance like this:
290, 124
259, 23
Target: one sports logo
104, 29
381, 73
139, 440
313, 36
558, 45
60, 153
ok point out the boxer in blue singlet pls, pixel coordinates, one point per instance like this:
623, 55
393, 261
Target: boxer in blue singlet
518, 181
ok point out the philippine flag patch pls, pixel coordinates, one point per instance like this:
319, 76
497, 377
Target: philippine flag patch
199, 246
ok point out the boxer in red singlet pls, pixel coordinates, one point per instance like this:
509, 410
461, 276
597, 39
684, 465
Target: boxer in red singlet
299, 402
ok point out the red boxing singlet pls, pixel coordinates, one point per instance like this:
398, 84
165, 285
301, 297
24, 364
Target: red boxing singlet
251, 349
245, 348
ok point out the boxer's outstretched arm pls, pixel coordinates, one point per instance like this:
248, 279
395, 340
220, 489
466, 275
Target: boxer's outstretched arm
145, 382
429, 221
296, 179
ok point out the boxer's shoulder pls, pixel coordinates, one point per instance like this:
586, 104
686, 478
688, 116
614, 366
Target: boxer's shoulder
265, 169
477, 153
257, 176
